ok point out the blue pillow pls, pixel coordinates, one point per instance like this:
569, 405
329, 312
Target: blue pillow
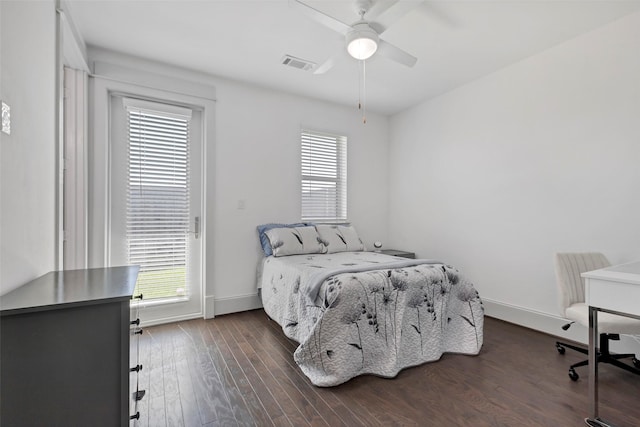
264, 240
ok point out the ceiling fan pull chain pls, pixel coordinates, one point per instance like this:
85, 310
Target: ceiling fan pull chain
359, 86
364, 93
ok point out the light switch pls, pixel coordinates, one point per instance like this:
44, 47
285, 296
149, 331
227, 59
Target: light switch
6, 119
241, 204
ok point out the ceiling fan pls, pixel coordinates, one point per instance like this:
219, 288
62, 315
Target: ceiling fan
363, 37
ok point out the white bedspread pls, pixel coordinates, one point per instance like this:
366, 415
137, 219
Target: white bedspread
362, 321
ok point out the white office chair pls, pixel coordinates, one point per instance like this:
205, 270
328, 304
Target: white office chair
569, 267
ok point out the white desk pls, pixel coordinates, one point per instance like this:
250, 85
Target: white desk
614, 290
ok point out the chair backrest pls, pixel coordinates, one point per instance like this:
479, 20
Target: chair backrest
569, 267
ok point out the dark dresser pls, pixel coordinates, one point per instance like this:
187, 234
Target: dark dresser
65, 349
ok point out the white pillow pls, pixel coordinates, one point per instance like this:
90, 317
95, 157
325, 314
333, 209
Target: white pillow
340, 238
295, 241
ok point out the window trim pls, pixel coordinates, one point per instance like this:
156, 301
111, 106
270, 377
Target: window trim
335, 171
122, 82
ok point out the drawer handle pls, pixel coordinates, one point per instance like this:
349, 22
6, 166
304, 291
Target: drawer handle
138, 368
135, 322
138, 332
137, 296
135, 417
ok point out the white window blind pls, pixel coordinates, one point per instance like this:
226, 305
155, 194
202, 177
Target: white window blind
158, 216
324, 177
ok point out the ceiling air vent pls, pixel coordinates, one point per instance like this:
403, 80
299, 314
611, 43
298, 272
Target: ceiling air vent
300, 64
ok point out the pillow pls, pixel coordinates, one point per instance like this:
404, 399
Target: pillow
295, 241
264, 241
340, 238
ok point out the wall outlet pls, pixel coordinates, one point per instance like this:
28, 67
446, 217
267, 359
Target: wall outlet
6, 119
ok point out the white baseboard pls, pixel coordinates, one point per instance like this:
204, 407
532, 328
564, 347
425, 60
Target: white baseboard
552, 325
234, 304
214, 307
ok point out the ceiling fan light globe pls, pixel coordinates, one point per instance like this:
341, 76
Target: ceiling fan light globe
362, 42
362, 48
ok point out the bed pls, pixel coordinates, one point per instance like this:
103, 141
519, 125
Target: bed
355, 312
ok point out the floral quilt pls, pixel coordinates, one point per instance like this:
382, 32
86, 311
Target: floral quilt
377, 315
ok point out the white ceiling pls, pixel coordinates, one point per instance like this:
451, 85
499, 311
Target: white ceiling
455, 41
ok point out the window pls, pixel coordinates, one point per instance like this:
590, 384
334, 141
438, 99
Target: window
157, 212
324, 177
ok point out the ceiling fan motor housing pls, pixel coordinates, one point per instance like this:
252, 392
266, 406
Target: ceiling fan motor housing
362, 41
362, 6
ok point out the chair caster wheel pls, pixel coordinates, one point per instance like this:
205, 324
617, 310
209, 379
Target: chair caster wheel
636, 363
560, 349
573, 375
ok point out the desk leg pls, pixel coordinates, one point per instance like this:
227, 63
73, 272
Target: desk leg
593, 362
594, 421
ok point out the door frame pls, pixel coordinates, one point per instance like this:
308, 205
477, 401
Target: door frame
99, 191
178, 307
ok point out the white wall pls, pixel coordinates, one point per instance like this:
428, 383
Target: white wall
258, 161
256, 151
542, 156
28, 155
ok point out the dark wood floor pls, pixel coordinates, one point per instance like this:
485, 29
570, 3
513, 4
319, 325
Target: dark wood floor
238, 369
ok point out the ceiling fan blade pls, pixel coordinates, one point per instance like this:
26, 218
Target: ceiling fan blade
391, 14
334, 60
321, 17
325, 66
396, 54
